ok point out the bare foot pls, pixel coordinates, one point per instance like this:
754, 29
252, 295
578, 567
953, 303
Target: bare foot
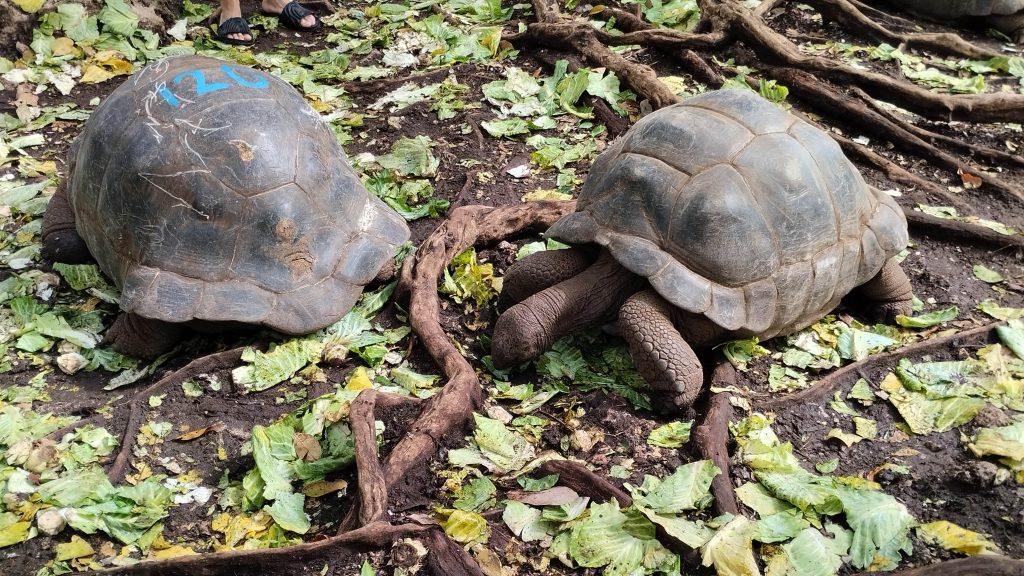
276, 6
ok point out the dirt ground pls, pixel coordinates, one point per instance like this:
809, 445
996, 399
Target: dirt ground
944, 482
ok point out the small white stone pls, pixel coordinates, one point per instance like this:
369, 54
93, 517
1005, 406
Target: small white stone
50, 521
71, 362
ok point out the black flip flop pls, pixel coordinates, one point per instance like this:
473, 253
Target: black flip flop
293, 13
236, 25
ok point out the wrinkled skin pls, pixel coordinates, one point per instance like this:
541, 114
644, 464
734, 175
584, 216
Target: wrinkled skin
550, 297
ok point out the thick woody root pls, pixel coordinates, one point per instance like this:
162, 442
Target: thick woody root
712, 438
452, 407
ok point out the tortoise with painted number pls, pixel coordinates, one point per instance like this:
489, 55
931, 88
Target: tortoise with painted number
1006, 16
213, 195
717, 218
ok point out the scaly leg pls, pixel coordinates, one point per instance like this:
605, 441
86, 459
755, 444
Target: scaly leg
889, 293
661, 355
134, 335
61, 242
542, 270
590, 298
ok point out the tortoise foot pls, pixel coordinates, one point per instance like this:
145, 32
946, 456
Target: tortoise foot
133, 335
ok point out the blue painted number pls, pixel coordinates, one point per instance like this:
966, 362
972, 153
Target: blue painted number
202, 87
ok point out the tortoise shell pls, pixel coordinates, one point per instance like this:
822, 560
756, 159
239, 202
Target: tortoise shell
948, 9
211, 191
737, 210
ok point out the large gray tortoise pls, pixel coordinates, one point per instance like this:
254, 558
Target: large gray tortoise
717, 218
213, 195
1004, 15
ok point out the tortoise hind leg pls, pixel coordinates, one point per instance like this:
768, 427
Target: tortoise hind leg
889, 293
661, 355
144, 338
61, 242
542, 270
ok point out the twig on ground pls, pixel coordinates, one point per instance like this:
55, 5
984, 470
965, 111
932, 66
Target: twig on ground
140, 400
826, 385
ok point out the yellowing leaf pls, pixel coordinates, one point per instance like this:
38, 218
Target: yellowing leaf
76, 548
359, 379
174, 551
955, 538
94, 74
324, 487
30, 6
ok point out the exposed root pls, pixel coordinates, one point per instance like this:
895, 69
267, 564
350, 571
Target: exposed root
855, 112
712, 438
824, 387
276, 560
585, 482
946, 230
452, 407
897, 173
984, 152
140, 400
373, 490
773, 47
846, 13
447, 557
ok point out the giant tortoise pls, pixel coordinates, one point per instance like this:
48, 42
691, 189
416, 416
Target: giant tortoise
1004, 15
717, 218
213, 195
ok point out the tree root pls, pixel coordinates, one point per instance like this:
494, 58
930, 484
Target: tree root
897, 173
140, 400
846, 13
946, 229
277, 561
855, 112
447, 557
373, 490
824, 387
772, 46
712, 438
452, 407
586, 482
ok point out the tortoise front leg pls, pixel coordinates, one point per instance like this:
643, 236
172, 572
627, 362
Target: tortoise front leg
540, 271
61, 242
661, 355
889, 293
144, 338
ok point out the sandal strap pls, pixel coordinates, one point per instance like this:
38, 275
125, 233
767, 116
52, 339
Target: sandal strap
293, 13
236, 25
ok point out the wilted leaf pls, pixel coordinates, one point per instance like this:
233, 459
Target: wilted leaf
730, 549
740, 352
671, 435
928, 320
952, 537
623, 541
